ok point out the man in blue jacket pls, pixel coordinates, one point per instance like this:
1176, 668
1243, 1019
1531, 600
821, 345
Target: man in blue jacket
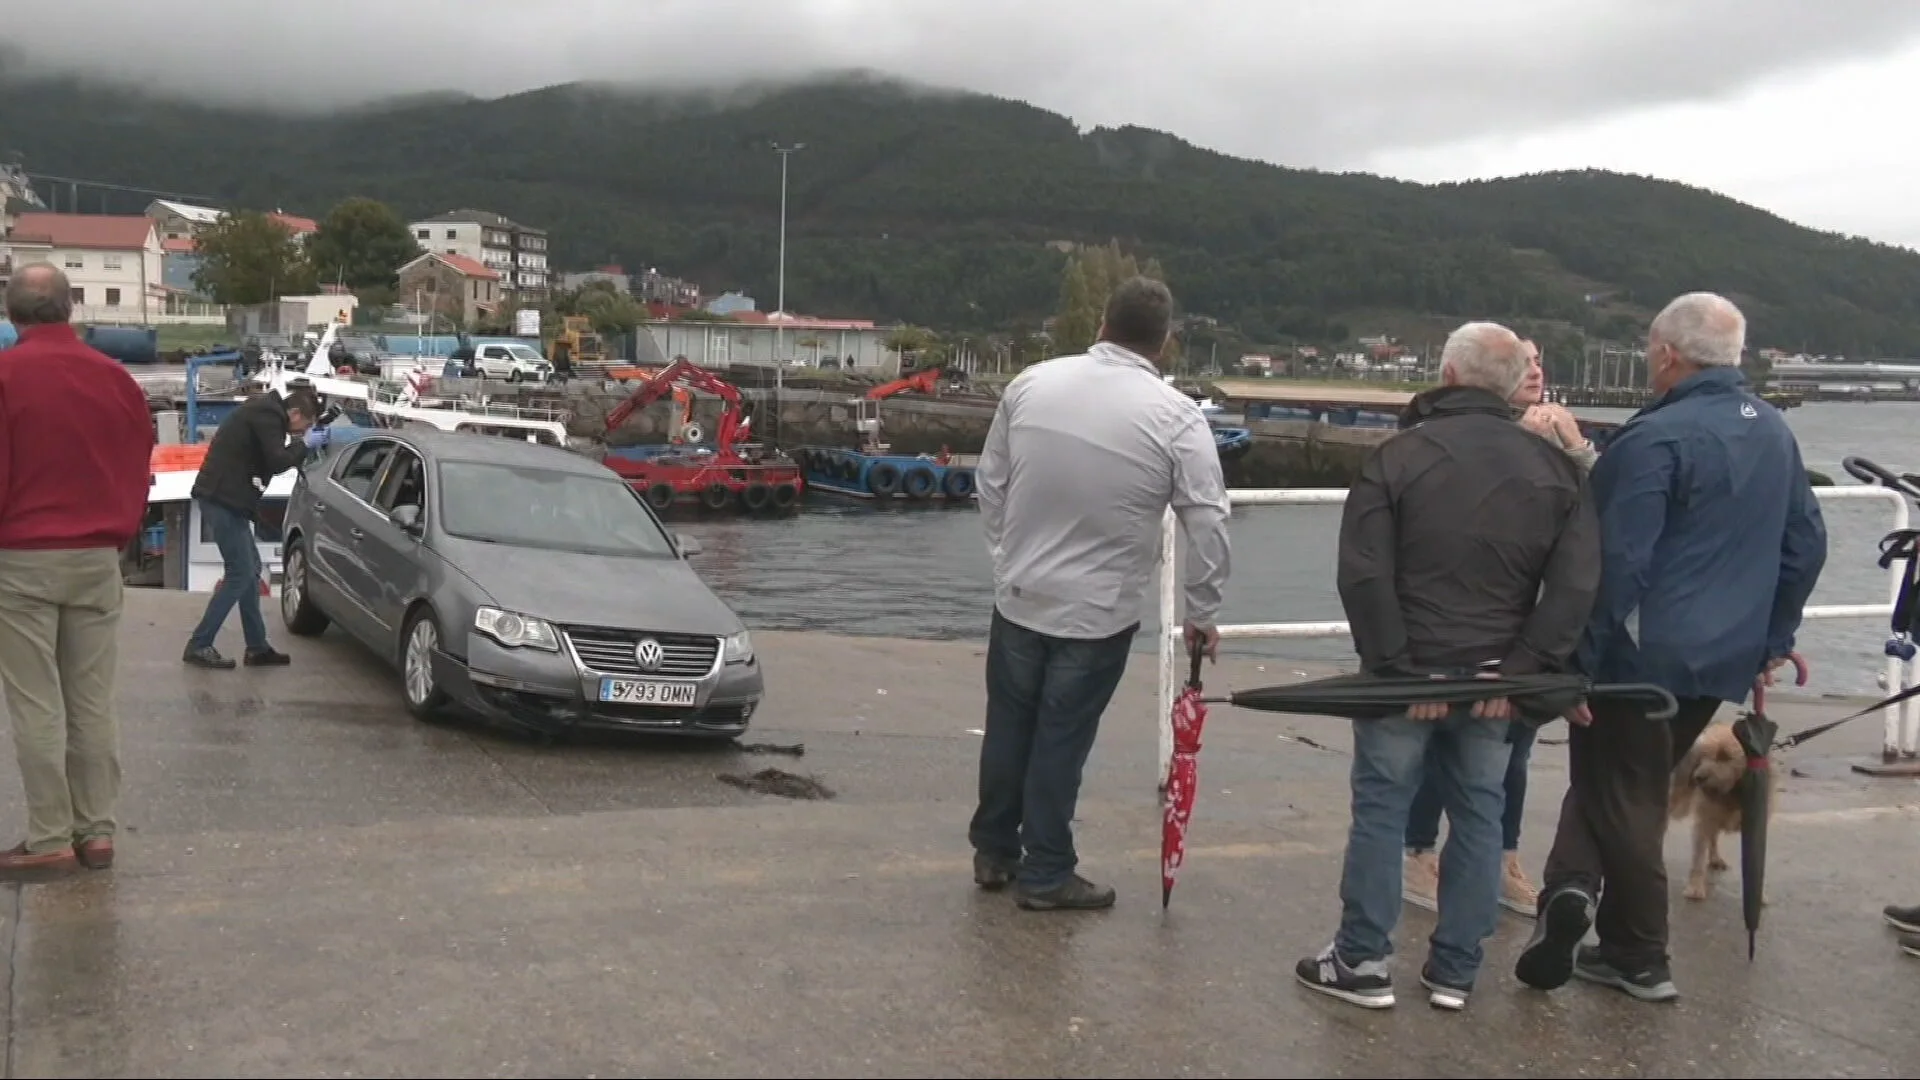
1711, 542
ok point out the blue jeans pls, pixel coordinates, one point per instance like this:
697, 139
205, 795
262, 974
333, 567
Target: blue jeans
240, 582
1423, 821
1390, 757
1044, 699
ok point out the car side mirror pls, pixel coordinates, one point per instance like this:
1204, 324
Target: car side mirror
689, 547
407, 517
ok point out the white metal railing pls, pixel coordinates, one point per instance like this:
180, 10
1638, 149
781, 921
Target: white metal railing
1902, 732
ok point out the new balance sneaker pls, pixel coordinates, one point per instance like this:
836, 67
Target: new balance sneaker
1652, 983
1904, 919
1442, 994
1367, 984
1548, 960
1420, 880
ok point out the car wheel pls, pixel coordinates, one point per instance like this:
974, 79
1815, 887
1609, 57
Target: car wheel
418, 644
297, 608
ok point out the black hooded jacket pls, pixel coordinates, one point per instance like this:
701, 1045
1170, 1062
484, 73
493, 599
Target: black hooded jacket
1467, 540
249, 449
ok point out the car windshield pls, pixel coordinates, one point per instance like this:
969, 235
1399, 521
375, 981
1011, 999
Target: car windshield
525, 352
547, 508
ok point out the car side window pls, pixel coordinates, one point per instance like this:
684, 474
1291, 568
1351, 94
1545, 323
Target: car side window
406, 483
493, 352
359, 469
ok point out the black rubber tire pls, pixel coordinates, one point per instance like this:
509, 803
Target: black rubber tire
660, 495
919, 482
883, 479
436, 698
958, 484
802, 459
297, 610
785, 495
849, 467
716, 497
755, 497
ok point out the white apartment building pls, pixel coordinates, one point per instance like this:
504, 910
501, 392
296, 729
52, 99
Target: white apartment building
518, 253
112, 262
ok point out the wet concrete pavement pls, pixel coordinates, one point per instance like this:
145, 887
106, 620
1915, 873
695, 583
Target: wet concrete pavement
310, 883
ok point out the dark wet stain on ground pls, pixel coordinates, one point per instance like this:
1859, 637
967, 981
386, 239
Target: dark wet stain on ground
790, 749
778, 782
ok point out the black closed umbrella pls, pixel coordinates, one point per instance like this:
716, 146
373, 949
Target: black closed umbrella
1536, 698
1757, 734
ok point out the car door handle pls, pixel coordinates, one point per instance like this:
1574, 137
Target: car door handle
355, 533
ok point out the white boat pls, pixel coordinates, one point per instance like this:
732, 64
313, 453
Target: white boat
176, 550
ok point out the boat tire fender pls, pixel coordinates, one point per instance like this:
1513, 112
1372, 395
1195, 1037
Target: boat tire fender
716, 496
959, 483
755, 496
785, 495
883, 479
660, 495
849, 467
919, 482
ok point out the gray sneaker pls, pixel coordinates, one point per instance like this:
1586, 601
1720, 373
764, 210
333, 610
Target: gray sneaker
1078, 894
1653, 983
993, 872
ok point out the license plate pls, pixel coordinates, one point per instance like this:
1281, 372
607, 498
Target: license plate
642, 692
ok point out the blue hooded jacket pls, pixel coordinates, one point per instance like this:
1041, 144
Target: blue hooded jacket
1711, 542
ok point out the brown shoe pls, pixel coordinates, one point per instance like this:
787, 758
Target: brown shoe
23, 865
94, 852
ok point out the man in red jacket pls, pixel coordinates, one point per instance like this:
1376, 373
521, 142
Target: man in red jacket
76, 448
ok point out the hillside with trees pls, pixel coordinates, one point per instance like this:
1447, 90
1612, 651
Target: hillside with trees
956, 211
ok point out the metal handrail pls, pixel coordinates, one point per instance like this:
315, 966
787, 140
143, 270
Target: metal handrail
1902, 736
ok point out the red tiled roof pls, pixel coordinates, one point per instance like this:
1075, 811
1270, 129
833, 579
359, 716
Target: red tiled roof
460, 263
104, 232
295, 222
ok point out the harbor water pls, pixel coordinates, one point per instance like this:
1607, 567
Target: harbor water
850, 568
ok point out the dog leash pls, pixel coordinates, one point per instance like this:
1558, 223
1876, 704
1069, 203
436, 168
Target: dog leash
1799, 737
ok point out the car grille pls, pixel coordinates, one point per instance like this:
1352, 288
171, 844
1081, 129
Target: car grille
611, 652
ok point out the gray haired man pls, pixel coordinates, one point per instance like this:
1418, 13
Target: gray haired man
1467, 545
1085, 455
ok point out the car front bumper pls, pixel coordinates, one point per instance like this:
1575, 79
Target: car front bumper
549, 691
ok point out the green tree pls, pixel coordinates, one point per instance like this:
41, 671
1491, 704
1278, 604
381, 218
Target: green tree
361, 244
614, 314
1090, 278
248, 258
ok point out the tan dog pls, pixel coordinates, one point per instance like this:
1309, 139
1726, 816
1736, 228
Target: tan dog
1706, 786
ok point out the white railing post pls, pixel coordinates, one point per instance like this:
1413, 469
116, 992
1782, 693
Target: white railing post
1902, 725
1169, 629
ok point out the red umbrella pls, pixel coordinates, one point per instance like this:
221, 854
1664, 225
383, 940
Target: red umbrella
1189, 716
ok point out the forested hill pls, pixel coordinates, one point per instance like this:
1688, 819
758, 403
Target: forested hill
945, 209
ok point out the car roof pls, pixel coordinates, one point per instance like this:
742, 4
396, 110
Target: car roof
493, 450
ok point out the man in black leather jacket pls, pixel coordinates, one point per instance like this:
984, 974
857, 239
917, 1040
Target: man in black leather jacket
250, 448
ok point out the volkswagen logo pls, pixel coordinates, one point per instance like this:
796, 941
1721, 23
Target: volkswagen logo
648, 654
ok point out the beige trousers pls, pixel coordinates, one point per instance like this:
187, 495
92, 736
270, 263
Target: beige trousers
59, 643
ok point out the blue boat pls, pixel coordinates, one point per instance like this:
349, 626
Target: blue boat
1232, 441
864, 475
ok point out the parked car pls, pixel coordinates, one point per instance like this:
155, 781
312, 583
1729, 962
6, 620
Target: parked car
523, 582
513, 362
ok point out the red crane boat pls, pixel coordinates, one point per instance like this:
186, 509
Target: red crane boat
731, 474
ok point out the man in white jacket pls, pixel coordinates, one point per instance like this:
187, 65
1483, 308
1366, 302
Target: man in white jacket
1085, 455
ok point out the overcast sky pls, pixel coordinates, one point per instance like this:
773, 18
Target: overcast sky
1805, 107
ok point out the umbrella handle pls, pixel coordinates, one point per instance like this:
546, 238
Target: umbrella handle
1195, 653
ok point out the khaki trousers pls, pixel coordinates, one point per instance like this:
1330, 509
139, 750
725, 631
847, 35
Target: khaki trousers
59, 643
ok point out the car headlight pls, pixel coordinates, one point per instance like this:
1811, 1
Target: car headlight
515, 630
737, 648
